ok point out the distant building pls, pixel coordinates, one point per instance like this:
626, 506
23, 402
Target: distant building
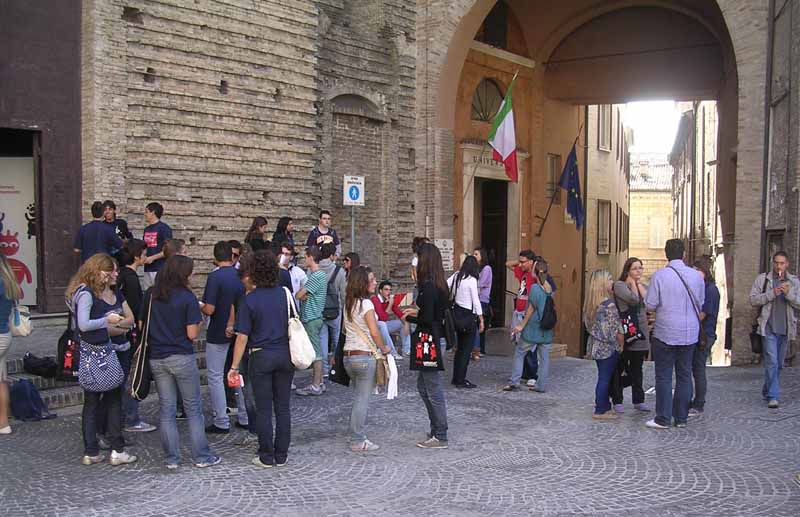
651, 209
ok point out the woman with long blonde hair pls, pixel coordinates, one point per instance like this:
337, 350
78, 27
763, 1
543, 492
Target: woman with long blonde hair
10, 293
602, 321
100, 313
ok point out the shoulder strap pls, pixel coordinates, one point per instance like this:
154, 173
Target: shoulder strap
333, 276
766, 279
691, 297
291, 311
368, 339
149, 295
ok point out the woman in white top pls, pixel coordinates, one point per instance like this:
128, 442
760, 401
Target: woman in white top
363, 339
464, 292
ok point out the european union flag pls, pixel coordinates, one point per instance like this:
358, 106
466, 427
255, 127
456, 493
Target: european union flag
570, 181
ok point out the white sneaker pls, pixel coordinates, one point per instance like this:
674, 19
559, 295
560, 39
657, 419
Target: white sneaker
365, 446
652, 424
531, 383
141, 427
121, 458
5, 430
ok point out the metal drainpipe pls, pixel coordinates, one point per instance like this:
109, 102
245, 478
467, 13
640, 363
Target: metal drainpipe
585, 219
767, 116
693, 179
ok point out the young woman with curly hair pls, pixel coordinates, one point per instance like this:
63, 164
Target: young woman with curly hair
262, 331
100, 313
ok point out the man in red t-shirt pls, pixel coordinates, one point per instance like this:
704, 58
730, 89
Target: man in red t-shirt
523, 272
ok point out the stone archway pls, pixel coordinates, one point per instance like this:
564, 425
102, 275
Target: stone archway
445, 30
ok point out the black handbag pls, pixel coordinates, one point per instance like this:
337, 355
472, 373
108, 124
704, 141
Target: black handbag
462, 319
141, 375
69, 353
338, 373
756, 343
630, 323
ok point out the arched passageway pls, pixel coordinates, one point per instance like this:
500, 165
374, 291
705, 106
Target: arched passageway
570, 54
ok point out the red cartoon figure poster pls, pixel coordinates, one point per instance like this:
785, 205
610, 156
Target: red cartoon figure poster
18, 236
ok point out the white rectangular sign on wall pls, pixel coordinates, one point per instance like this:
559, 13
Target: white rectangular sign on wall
18, 223
353, 191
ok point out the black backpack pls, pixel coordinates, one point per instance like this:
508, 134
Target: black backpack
40, 366
26, 403
331, 310
549, 316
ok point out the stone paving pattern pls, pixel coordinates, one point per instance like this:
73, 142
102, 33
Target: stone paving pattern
510, 454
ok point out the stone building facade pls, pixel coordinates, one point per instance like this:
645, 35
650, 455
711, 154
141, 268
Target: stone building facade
651, 209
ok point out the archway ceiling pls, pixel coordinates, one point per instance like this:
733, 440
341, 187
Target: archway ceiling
568, 38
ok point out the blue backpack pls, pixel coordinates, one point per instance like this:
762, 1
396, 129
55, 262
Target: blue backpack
26, 403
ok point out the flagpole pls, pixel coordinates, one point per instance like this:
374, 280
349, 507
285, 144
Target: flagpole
483, 149
555, 191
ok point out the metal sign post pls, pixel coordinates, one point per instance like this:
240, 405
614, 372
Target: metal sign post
353, 196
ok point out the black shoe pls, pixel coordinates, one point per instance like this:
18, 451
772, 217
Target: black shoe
181, 416
466, 384
242, 426
213, 429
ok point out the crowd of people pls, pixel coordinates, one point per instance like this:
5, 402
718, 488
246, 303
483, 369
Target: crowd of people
257, 288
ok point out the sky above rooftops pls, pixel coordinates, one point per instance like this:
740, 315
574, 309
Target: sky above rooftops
654, 124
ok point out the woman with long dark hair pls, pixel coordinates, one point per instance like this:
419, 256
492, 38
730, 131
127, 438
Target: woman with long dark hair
708, 323
10, 293
262, 324
174, 324
363, 339
485, 278
351, 261
284, 232
255, 235
429, 317
628, 294
463, 288
98, 312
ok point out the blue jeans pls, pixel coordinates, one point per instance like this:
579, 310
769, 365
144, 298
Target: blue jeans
361, 369
179, 371
602, 391
775, 347
393, 326
271, 375
668, 358
542, 350
216, 353
430, 386
328, 339
699, 360
383, 328
479, 342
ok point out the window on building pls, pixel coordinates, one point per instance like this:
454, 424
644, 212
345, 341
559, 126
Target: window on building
604, 127
553, 175
486, 101
658, 232
618, 132
494, 29
603, 227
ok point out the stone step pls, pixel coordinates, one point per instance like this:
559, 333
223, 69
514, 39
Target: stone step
60, 394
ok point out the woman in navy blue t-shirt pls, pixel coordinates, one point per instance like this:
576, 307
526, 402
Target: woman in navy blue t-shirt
173, 325
262, 325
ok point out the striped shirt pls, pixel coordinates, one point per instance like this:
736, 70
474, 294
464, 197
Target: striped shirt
317, 287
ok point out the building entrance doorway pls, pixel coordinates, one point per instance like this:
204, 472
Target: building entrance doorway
494, 238
18, 201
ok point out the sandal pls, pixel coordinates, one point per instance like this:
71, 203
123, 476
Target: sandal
476, 355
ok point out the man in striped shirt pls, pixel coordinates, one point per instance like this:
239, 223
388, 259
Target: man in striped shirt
312, 295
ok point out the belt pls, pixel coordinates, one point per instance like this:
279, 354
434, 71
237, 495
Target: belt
348, 353
252, 351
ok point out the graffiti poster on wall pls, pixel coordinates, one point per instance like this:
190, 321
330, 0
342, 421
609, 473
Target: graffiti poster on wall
18, 223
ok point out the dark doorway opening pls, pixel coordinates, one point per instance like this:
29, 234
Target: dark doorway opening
494, 238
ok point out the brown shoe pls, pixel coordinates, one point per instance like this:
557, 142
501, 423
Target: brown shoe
476, 355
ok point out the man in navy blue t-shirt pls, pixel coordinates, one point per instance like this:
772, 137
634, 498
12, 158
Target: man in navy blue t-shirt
223, 289
323, 233
155, 234
96, 236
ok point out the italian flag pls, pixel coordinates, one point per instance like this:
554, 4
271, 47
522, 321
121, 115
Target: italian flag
502, 137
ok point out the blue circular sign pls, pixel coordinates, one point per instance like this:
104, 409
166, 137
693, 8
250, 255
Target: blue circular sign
354, 193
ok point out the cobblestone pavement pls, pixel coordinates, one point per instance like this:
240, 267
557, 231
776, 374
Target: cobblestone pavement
510, 454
